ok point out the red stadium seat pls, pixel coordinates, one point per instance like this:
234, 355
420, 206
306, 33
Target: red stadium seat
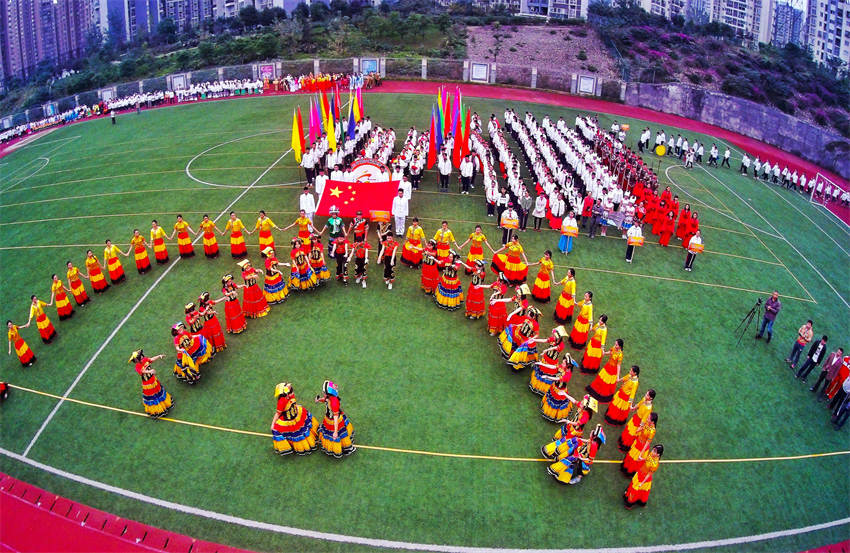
63, 506
156, 538
178, 543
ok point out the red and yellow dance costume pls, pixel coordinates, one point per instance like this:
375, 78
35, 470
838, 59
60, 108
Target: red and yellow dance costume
476, 305
497, 314
317, 261
618, 410
411, 254
476, 249
566, 302
602, 387
140, 254
555, 405
578, 336
301, 276
160, 251
444, 239
45, 327
265, 226
210, 241
212, 327
643, 437
567, 431
25, 354
627, 438
543, 377
593, 354
511, 264
63, 305
430, 269
449, 293
294, 428
638, 491
519, 345
275, 287
156, 400
113, 264
578, 455
77, 288
184, 243
304, 231
341, 445
185, 368
233, 318
98, 281
237, 239
254, 303
542, 291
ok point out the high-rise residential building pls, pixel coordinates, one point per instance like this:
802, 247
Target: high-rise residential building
556, 9
828, 30
787, 25
665, 8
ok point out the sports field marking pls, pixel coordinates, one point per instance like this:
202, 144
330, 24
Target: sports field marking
133, 310
391, 544
85, 196
835, 219
188, 171
29, 176
421, 452
140, 213
46, 155
803, 257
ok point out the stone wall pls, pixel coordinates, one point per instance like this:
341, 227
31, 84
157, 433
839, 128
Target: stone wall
828, 150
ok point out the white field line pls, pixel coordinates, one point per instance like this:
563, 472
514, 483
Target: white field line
845, 227
401, 545
46, 155
85, 196
34, 173
803, 257
154, 213
133, 310
211, 148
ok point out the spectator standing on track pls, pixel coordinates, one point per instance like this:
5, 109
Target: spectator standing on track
112, 115
745, 165
816, 354
712, 156
771, 309
726, 155
804, 336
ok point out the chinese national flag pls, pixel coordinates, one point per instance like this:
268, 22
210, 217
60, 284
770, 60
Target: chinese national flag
349, 197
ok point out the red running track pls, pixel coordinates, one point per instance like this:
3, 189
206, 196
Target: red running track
35, 520
752, 146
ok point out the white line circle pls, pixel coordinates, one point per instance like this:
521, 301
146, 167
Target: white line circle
211, 148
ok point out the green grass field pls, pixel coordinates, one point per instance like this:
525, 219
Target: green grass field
412, 376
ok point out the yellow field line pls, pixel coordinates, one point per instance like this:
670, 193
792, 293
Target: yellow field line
421, 452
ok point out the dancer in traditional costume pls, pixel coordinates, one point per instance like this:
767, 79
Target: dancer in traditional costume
237, 237
444, 238
294, 428
602, 387
184, 243
573, 427
25, 354
275, 286
185, 368
556, 403
546, 371
360, 253
265, 226
641, 412
449, 293
430, 267
336, 430
476, 240
618, 410
643, 437
211, 326
341, 252
476, 305
75, 285
95, 273
209, 228
64, 309
233, 318
387, 256
301, 276
578, 336
411, 255
317, 259
160, 251
254, 304
497, 315
542, 291
512, 263
593, 354
638, 491
578, 458
359, 227
516, 336
567, 299
113, 264
156, 400
45, 327
140, 252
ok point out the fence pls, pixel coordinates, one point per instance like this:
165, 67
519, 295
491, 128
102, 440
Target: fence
399, 68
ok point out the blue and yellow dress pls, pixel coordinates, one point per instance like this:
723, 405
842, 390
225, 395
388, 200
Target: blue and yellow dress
294, 427
449, 293
317, 261
275, 288
301, 277
342, 444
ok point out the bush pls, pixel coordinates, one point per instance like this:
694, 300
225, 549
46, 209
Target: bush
582, 55
592, 68
611, 90
735, 85
694, 78
512, 49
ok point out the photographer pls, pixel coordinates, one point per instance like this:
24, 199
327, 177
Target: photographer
771, 310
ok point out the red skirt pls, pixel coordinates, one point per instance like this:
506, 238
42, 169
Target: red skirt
233, 317
210, 245
475, 306
212, 332
254, 303
47, 331
430, 277
63, 306
497, 318
79, 292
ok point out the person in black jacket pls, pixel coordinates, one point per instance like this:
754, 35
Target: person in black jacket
816, 354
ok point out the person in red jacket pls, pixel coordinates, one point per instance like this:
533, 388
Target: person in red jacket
684, 221
693, 227
586, 209
667, 229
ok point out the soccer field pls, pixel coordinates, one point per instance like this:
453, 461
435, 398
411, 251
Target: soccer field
414, 379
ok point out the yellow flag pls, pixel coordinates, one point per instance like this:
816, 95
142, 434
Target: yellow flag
330, 130
297, 146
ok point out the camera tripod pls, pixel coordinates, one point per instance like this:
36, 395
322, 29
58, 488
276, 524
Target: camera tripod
755, 313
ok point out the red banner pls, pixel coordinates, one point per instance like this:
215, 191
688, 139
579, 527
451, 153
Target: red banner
351, 197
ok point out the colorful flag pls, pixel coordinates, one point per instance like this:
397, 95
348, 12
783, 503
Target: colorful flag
360, 104
313, 125
432, 144
351, 123
438, 132
447, 115
297, 138
352, 101
350, 197
468, 120
330, 129
337, 107
457, 147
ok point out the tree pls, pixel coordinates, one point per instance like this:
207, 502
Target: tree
319, 11
301, 12
249, 16
166, 31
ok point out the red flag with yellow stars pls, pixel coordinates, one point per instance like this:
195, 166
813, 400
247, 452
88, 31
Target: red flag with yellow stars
373, 199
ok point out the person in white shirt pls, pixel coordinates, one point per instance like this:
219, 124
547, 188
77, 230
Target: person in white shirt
307, 203
406, 187
308, 162
803, 187
320, 181
444, 165
337, 174
696, 240
745, 165
633, 232
509, 221
539, 212
400, 211
466, 169
726, 155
